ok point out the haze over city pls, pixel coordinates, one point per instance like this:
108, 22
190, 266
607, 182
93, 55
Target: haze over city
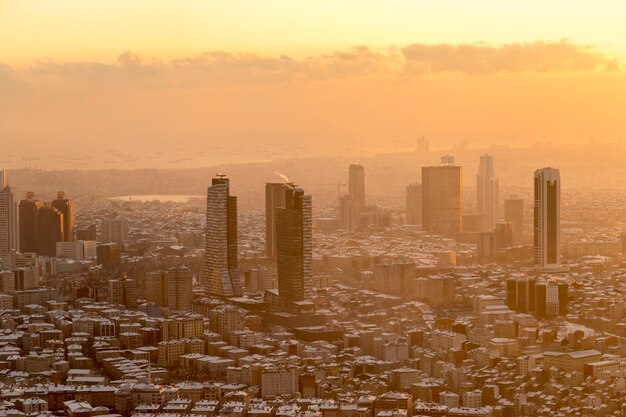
312, 208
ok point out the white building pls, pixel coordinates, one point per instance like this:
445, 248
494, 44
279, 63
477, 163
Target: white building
79, 250
279, 381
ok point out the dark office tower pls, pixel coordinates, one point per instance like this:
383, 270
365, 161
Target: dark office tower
294, 246
514, 214
65, 206
442, 198
179, 293
547, 218
487, 193
8, 218
347, 213
356, 186
108, 254
87, 233
552, 298
157, 288
274, 198
503, 236
221, 274
49, 230
28, 212
521, 294
414, 204
563, 293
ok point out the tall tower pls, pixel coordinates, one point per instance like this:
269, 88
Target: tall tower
274, 198
356, 185
179, 294
221, 274
414, 204
347, 213
49, 230
442, 198
28, 212
65, 206
547, 218
8, 218
294, 246
487, 193
514, 214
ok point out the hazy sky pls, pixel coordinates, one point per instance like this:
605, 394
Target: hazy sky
211, 81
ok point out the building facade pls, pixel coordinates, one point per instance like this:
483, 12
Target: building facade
221, 274
547, 213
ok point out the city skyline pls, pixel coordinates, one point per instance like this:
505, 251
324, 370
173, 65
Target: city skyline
346, 208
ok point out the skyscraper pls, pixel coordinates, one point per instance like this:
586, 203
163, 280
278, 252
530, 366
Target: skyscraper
274, 198
442, 198
8, 218
123, 291
414, 203
28, 212
294, 246
179, 294
514, 214
347, 214
356, 186
221, 274
49, 230
157, 287
65, 206
487, 193
547, 213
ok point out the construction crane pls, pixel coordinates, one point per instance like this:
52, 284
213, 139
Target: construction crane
338, 184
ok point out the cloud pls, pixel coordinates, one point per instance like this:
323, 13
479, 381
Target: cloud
481, 59
132, 70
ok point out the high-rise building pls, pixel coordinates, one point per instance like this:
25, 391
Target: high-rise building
179, 294
65, 206
9, 241
552, 298
521, 294
221, 274
49, 230
114, 230
396, 276
503, 235
28, 211
157, 287
442, 198
274, 198
259, 279
514, 214
294, 246
87, 233
414, 204
356, 185
487, 193
108, 254
347, 213
123, 291
547, 246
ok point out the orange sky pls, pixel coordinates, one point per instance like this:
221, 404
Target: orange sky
229, 81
